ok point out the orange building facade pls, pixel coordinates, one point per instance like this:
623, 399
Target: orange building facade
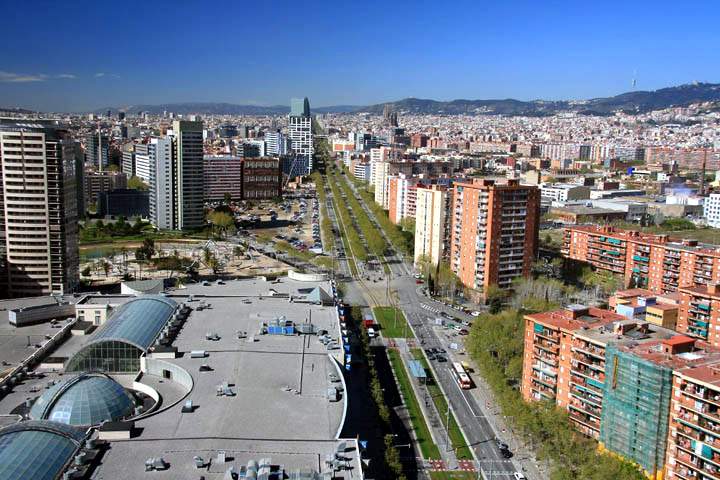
655, 262
494, 232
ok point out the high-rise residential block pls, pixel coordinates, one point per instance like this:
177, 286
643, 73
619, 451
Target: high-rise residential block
432, 225
655, 262
188, 174
161, 181
300, 133
494, 232
38, 211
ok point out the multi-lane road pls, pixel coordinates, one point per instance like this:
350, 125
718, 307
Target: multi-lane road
472, 417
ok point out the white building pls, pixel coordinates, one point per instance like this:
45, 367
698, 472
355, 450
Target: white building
380, 172
142, 162
160, 151
562, 192
276, 143
432, 205
300, 132
711, 210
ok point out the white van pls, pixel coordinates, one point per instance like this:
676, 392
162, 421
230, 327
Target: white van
371, 333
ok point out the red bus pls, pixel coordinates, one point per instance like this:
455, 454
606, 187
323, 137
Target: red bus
461, 376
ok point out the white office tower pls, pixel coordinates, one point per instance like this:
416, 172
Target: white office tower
160, 157
300, 134
38, 208
276, 143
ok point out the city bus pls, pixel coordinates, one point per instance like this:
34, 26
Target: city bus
460, 376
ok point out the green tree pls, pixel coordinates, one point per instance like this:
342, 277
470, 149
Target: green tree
227, 198
136, 183
222, 222
408, 224
495, 298
85, 272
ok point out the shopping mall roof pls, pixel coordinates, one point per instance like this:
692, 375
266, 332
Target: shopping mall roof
37, 450
137, 322
86, 399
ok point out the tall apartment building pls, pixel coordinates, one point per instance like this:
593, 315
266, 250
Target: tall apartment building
300, 133
655, 262
97, 150
401, 196
162, 182
619, 380
38, 208
188, 173
494, 232
380, 171
432, 222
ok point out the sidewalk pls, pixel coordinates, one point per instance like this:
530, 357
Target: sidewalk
434, 420
523, 454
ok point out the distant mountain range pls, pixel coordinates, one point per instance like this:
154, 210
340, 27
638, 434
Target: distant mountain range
209, 108
630, 102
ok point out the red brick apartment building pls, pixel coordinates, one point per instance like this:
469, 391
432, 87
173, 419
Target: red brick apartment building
655, 262
242, 178
494, 232
645, 392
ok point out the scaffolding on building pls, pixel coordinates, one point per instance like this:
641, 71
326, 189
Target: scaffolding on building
636, 405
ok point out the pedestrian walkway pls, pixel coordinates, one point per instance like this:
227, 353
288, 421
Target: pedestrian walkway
433, 418
523, 455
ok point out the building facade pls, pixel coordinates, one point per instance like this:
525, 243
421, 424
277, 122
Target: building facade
188, 173
39, 223
223, 175
97, 182
432, 225
494, 232
261, 178
162, 179
655, 262
300, 133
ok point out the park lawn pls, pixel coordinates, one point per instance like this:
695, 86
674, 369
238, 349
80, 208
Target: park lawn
389, 327
448, 475
457, 438
427, 447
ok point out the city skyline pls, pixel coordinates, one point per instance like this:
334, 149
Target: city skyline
352, 58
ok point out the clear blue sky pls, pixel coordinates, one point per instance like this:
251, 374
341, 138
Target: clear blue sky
83, 55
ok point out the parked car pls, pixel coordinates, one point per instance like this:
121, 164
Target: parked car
519, 476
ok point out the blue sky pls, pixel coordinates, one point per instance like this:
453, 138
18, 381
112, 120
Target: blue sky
83, 55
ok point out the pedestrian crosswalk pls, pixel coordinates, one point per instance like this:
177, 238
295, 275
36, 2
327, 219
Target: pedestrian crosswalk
429, 308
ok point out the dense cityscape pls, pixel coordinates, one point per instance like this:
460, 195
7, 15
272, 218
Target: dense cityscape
336, 266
